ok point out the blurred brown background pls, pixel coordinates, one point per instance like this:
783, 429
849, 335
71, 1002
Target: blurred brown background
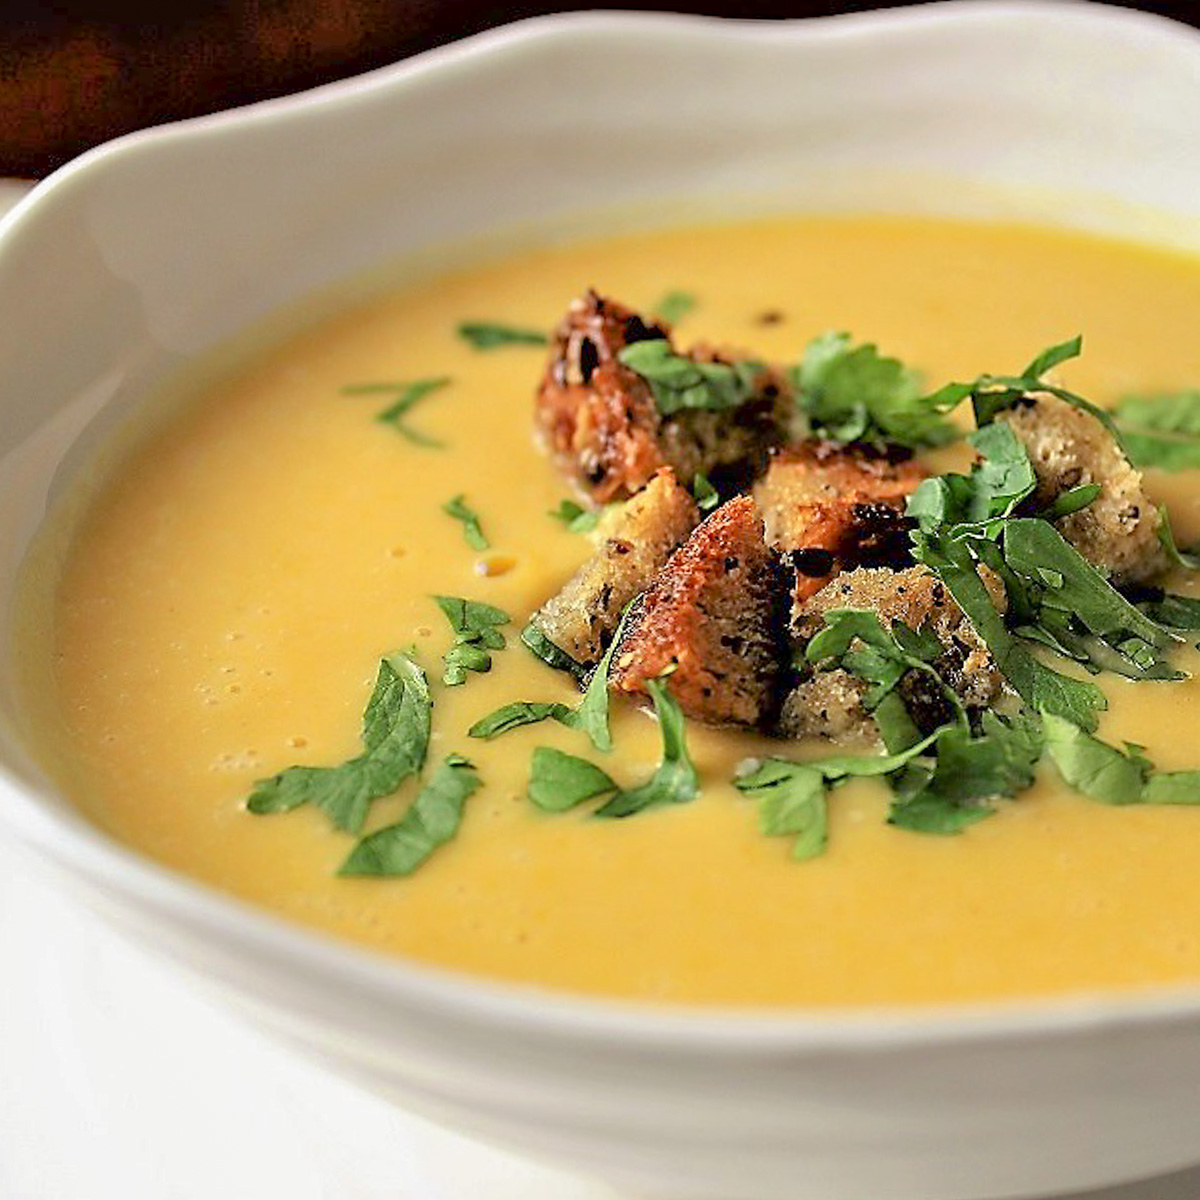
76, 72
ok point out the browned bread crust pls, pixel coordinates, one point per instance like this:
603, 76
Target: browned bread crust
711, 617
829, 508
600, 420
829, 703
633, 541
1118, 531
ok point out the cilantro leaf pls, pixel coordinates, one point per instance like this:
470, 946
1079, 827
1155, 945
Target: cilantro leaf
674, 306
679, 383
853, 393
475, 633
488, 335
538, 644
456, 507
675, 781
791, 802
431, 821
1161, 430
1172, 787
704, 493
1093, 767
513, 716
405, 395
559, 781
575, 517
1175, 612
395, 735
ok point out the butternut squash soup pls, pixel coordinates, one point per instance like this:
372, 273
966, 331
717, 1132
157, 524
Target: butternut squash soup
926, 708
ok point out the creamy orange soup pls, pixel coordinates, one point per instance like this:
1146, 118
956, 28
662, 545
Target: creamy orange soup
228, 595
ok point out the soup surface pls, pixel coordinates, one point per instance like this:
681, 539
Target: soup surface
228, 595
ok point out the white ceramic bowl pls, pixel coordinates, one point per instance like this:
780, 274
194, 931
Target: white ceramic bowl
142, 255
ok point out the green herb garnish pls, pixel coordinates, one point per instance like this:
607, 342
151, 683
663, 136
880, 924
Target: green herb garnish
853, 393
475, 634
791, 803
488, 335
405, 396
674, 306
431, 821
1161, 430
472, 529
395, 735
703, 492
575, 517
542, 647
560, 781
679, 383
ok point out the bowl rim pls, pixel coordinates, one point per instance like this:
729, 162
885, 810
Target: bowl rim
73, 844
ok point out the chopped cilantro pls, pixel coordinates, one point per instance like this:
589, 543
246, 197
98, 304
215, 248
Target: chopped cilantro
488, 335
538, 644
791, 803
575, 517
853, 393
513, 716
704, 493
431, 821
476, 632
1161, 430
680, 383
559, 781
405, 395
395, 736
674, 306
457, 508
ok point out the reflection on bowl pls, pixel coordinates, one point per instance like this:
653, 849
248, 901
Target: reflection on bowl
147, 253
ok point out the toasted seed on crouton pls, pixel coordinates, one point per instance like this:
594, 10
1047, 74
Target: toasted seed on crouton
633, 541
601, 421
711, 617
1118, 531
829, 507
829, 703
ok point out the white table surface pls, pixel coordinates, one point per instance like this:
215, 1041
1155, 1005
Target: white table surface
118, 1082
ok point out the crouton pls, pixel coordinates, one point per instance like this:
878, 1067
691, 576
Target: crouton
829, 508
829, 703
711, 617
600, 419
633, 541
1118, 531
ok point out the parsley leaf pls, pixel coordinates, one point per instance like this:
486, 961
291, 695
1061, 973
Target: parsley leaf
1161, 430
704, 493
791, 801
488, 335
1175, 612
853, 393
513, 716
1094, 767
575, 517
674, 306
405, 396
431, 821
675, 781
559, 781
395, 735
475, 633
679, 383
457, 508
538, 644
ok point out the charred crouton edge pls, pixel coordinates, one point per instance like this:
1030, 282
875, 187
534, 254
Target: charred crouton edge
600, 419
634, 541
828, 703
829, 507
711, 618
1118, 531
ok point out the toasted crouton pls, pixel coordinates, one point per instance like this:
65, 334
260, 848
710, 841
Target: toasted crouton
634, 540
711, 617
601, 421
829, 703
829, 508
1118, 531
